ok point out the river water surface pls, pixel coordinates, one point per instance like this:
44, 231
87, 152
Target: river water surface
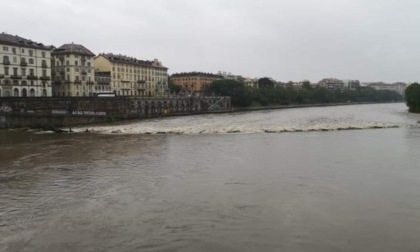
283, 180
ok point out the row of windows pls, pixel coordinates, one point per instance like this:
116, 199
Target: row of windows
140, 71
23, 71
14, 50
76, 63
22, 93
23, 61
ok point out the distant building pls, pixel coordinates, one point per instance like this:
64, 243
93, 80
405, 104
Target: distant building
24, 67
398, 87
133, 77
102, 82
351, 84
72, 71
194, 82
331, 83
253, 83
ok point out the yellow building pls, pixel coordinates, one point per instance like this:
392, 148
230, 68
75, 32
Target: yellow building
194, 82
73, 71
133, 77
24, 67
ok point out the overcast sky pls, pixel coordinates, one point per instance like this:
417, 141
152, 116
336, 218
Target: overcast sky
369, 40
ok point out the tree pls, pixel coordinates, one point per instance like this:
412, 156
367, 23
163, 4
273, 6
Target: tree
173, 88
265, 83
240, 95
412, 97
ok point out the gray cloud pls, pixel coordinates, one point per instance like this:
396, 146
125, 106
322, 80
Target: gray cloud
370, 40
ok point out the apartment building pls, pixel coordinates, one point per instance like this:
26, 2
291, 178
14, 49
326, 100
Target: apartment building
194, 82
398, 87
72, 71
331, 83
133, 77
25, 68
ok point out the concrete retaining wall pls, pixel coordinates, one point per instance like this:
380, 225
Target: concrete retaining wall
51, 112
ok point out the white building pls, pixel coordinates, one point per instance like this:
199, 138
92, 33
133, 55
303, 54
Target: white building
73, 71
24, 67
398, 87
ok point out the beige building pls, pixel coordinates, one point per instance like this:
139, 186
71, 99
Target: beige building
24, 67
194, 82
72, 71
133, 77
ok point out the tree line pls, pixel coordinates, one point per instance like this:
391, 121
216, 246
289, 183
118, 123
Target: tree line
412, 97
270, 94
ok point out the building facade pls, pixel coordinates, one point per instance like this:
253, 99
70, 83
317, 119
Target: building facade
351, 84
194, 82
133, 77
331, 83
25, 68
398, 87
73, 71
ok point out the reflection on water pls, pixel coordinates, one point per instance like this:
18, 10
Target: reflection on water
306, 191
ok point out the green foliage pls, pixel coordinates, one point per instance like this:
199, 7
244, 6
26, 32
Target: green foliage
265, 83
279, 95
240, 95
173, 88
412, 97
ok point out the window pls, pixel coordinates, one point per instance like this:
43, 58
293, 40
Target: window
14, 50
88, 64
43, 54
14, 59
15, 71
44, 73
31, 61
6, 71
76, 63
67, 62
23, 71
76, 69
23, 50
31, 52
31, 72
5, 48
6, 60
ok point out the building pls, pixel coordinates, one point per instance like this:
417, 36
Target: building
133, 77
351, 84
398, 87
194, 82
24, 67
72, 71
252, 83
331, 83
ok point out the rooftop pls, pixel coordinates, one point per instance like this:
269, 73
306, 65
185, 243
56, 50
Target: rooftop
15, 40
73, 49
122, 59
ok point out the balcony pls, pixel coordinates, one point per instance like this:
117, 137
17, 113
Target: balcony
57, 82
6, 62
90, 82
24, 63
77, 82
84, 72
44, 66
32, 77
45, 78
15, 77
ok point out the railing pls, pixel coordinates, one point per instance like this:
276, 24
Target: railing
77, 82
90, 82
44, 65
6, 62
23, 63
32, 77
57, 82
45, 78
14, 76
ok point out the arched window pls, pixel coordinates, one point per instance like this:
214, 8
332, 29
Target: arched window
16, 92
44, 92
32, 92
31, 61
24, 92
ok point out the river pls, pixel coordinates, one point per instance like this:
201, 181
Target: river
343, 178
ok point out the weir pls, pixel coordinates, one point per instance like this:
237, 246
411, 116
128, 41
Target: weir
53, 112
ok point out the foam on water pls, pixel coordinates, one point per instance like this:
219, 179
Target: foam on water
275, 121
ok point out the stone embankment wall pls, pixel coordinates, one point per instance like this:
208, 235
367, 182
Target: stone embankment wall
52, 112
